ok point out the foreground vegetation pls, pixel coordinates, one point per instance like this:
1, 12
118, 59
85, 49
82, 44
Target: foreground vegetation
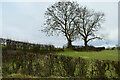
25, 60
22, 64
100, 55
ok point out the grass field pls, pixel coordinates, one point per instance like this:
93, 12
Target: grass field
100, 55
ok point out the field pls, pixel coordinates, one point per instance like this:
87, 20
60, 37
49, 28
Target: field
100, 55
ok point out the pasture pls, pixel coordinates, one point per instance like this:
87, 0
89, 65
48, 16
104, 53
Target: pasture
100, 55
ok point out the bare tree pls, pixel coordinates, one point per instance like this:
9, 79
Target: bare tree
89, 23
61, 18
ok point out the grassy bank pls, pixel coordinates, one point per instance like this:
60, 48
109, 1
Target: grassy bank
100, 55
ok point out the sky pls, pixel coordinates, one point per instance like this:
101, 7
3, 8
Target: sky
23, 21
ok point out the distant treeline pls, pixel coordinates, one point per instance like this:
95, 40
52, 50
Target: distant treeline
90, 48
8, 44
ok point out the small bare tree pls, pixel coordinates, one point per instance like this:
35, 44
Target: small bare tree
89, 23
61, 18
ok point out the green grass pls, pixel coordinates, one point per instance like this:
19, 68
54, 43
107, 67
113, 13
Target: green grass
100, 55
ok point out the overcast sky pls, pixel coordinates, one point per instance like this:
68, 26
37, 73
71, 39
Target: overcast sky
23, 20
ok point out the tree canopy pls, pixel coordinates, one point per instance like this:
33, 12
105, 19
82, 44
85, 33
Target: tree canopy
89, 24
73, 21
61, 18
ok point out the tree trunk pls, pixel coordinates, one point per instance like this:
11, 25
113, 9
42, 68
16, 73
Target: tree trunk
69, 44
86, 46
